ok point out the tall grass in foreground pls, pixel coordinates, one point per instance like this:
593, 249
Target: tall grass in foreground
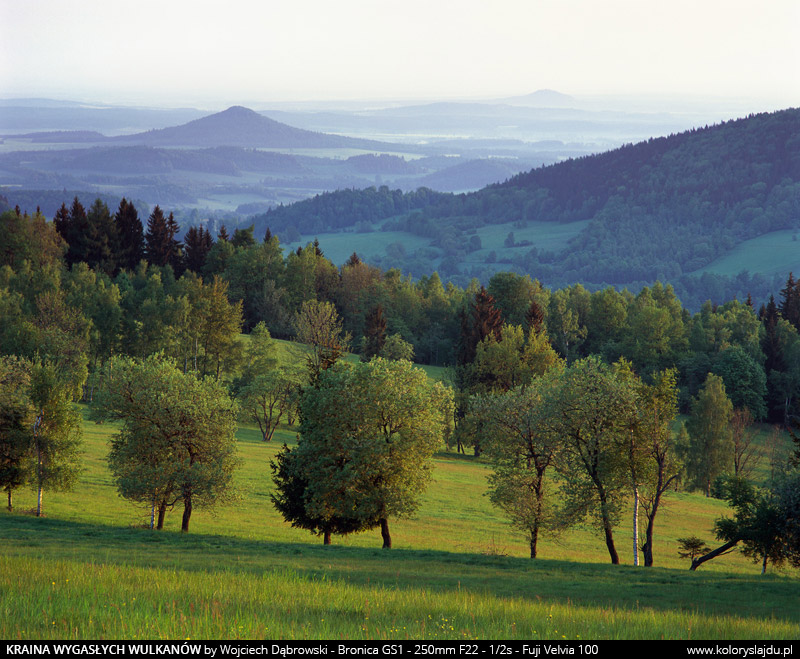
50, 599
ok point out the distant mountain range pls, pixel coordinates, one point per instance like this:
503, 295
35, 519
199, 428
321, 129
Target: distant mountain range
543, 98
237, 127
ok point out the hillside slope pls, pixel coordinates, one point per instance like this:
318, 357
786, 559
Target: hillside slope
659, 209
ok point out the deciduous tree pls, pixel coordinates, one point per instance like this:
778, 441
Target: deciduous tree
710, 451
56, 432
521, 444
367, 435
591, 409
16, 424
177, 441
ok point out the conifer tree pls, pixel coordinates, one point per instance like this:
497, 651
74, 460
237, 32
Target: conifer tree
161, 246
770, 343
790, 302
156, 245
61, 221
197, 245
101, 239
130, 236
483, 320
374, 333
175, 248
75, 233
534, 318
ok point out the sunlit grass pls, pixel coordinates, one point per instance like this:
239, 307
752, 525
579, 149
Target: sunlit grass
91, 569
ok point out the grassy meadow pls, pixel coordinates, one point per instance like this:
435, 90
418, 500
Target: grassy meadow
545, 236
774, 253
92, 569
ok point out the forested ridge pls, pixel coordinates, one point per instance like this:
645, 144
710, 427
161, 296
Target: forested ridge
658, 210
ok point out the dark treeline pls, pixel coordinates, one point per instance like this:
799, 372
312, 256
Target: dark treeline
130, 286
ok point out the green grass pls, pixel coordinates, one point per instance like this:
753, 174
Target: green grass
774, 253
90, 569
545, 236
339, 246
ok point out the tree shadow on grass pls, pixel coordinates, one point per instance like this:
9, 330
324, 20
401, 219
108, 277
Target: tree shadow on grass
582, 584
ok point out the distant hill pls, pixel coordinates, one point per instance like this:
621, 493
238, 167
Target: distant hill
62, 137
543, 98
471, 175
238, 126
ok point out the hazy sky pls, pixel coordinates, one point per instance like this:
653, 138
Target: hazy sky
220, 52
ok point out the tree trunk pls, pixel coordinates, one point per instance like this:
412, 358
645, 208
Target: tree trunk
387, 539
647, 547
607, 525
764, 565
636, 526
187, 512
153, 514
697, 562
612, 551
162, 513
326, 538
10, 502
39, 500
533, 540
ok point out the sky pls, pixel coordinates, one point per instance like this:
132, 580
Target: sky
216, 53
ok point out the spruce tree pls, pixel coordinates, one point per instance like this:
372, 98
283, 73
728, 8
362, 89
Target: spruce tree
534, 317
130, 236
76, 233
161, 246
770, 343
174, 246
61, 221
483, 319
374, 333
101, 239
790, 302
197, 245
155, 239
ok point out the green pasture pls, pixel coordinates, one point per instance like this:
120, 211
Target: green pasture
92, 569
339, 246
774, 253
544, 236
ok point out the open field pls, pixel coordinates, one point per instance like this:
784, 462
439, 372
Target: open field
774, 253
90, 569
544, 236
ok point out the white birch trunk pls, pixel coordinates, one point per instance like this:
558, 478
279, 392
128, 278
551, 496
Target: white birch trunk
636, 526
